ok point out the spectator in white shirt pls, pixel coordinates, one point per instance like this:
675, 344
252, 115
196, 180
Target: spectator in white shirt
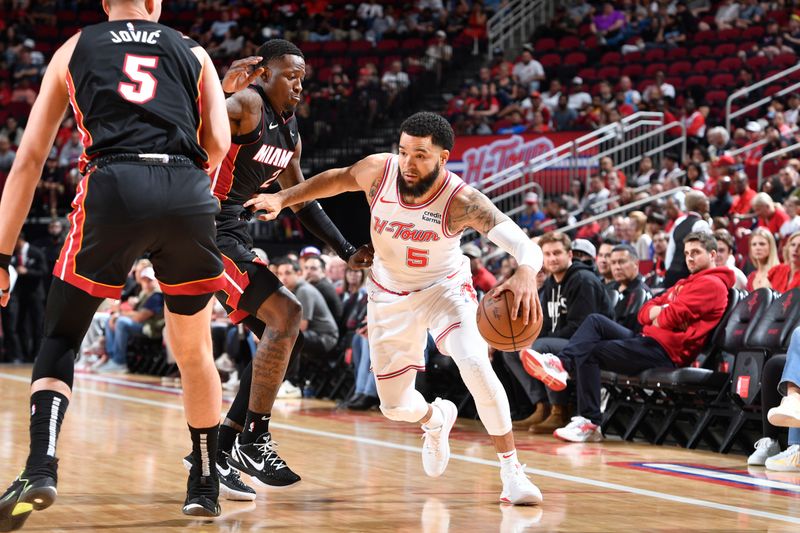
727, 13
578, 98
551, 96
395, 82
528, 72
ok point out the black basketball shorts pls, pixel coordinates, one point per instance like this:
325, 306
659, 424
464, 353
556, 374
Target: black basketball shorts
125, 210
248, 280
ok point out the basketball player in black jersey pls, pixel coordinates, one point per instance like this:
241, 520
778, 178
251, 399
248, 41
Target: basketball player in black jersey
143, 97
266, 147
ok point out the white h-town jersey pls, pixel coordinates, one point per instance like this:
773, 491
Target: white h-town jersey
413, 249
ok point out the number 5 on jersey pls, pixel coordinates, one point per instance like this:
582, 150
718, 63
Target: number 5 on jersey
143, 88
416, 258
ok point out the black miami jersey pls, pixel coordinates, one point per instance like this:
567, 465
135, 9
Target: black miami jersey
135, 89
255, 159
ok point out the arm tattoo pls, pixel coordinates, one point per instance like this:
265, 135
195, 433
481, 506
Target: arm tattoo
473, 209
373, 189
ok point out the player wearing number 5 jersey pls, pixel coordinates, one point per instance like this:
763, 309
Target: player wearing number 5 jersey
143, 98
420, 282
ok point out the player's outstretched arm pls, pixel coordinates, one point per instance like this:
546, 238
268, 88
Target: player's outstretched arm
365, 175
43, 124
472, 209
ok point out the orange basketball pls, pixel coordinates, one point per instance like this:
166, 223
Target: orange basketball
497, 328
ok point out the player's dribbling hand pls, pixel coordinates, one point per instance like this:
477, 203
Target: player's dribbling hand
523, 286
242, 73
5, 283
362, 258
265, 206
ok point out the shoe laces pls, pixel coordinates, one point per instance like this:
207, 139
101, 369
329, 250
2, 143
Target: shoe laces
432, 437
763, 443
267, 449
788, 452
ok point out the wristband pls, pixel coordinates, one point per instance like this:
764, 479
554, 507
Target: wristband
5, 261
227, 95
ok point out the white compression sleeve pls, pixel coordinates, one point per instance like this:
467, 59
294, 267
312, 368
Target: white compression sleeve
513, 240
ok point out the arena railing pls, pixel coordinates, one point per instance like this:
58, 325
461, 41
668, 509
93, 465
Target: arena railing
774, 155
513, 24
730, 115
553, 171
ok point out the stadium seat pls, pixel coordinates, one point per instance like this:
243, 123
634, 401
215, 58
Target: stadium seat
731, 34
716, 97
724, 80
633, 71
700, 52
679, 68
545, 44
757, 62
677, 53
656, 54
697, 81
724, 50
611, 58
753, 33
570, 42
653, 68
730, 64
704, 66
550, 60
575, 59
705, 36
588, 74
608, 72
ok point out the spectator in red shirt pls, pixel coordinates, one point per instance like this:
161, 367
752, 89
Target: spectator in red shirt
695, 120
770, 215
482, 279
744, 199
786, 276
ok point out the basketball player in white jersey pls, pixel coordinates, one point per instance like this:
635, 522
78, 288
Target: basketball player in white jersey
421, 282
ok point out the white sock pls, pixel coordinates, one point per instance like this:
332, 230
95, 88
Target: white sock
508, 459
436, 420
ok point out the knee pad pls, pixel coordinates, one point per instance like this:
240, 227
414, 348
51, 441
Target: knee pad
186, 305
403, 413
56, 359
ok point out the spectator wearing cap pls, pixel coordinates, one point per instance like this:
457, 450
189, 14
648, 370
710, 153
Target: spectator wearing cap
482, 279
742, 203
770, 215
692, 222
570, 293
532, 216
584, 251
438, 54
528, 72
564, 117
533, 104
122, 325
578, 98
308, 251
754, 134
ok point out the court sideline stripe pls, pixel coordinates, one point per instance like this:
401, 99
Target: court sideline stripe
463, 458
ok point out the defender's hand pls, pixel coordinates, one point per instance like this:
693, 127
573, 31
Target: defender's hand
266, 206
523, 286
363, 257
242, 73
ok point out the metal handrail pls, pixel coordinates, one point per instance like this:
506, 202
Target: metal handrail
622, 208
515, 22
747, 90
774, 155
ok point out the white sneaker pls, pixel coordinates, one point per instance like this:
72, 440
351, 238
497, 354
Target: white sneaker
110, 367
287, 391
786, 461
224, 363
436, 449
765, 448
517, 488
787, 414
545, 367
580, 430
233, 382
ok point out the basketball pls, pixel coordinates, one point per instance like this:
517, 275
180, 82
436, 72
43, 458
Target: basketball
497, 328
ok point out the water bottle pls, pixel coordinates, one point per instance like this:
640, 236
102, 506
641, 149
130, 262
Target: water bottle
308, 390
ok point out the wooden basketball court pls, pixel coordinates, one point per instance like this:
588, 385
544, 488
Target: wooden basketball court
124, 437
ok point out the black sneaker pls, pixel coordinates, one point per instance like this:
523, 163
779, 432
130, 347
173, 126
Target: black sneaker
33, 490
231, 486
260, 460
202, 496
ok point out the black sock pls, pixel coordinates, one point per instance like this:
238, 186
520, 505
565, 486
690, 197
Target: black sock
255, 425
204, 449
225, 441
47, 412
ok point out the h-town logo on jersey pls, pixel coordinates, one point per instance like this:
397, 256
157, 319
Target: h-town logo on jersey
405, 231
273, 156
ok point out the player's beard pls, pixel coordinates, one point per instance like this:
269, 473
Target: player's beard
422, 186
